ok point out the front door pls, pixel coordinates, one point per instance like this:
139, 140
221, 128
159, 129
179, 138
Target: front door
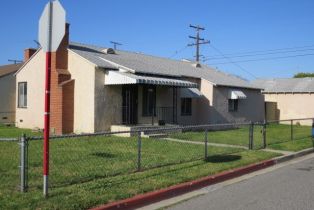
129, 104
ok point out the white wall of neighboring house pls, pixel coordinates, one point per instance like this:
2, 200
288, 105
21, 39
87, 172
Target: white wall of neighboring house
34, 74
293, 106
7, 98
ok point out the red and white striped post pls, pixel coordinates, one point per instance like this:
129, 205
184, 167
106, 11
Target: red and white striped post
51, 32
47, 122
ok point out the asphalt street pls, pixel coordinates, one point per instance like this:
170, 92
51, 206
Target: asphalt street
288, 187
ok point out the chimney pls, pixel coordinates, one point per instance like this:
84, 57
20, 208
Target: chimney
28, 53
62, 89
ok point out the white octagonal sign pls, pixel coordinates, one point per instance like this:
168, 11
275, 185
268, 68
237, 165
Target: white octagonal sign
51, 26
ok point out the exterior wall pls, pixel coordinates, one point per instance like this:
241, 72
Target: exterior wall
108, 102
205, 102
83, 73
7, 102
34, 74
62, 87
249, 109
293, 106
68, 88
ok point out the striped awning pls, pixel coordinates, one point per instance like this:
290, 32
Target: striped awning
236, 94
121, 78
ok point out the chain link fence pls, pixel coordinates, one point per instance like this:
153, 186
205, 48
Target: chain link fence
81, 158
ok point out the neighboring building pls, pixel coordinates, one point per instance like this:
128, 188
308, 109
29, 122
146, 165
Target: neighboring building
7, 93
288, 98
95, 88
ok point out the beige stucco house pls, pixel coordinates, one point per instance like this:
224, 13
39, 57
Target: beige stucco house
288, 98
7, 93
102, 88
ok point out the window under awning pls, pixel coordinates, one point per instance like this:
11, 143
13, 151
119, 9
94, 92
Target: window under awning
121, 78
236, 94
190, 93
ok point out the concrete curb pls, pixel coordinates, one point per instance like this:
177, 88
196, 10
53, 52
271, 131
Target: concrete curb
294, 155
158, 195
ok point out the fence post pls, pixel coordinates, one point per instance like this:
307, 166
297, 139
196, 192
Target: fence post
206, 142
313, 132
139, 151
251, 130
264, 134
291, 128
23, 163
312, 128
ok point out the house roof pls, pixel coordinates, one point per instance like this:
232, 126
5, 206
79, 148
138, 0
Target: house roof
152, 65
292, 85
8, 69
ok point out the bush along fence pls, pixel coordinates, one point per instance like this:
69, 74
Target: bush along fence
81, 158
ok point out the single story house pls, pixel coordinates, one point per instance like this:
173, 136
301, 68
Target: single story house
288, 98
95, 88
7, 93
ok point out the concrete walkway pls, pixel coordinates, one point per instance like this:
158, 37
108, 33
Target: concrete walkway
202, 143
278, 151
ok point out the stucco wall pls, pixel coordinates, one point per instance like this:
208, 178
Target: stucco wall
249, 109
7, 99
34, 74
83, 72
108, 102
293, 106
205, 102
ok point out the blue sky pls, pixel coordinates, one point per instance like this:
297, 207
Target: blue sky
161, 28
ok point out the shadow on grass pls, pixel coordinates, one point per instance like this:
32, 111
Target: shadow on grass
222, 158
103, 154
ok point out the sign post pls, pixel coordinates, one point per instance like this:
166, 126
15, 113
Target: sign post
51, 33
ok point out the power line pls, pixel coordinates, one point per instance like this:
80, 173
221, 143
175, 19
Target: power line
257, 54
230, 61
262, 51
178, 51
198, 40
262, 59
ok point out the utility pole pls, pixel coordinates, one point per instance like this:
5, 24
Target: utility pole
115, 44
198, 41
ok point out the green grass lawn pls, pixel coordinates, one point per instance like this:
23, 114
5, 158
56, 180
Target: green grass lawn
94, 170
278, 136
13, 132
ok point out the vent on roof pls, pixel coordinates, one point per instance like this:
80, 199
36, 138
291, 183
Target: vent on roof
109, 51
196, 65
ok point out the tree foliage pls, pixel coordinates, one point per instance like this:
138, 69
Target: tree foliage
303, 74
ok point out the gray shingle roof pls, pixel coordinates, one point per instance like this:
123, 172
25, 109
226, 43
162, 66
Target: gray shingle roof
8, 69
292, 85
148, 64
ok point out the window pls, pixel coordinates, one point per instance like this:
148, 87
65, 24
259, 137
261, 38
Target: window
186, 106
149, 100
233, 105
22, 94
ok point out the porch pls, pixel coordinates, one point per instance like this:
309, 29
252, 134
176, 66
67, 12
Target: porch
150, 102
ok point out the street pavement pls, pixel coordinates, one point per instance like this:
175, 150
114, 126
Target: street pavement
284, 188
